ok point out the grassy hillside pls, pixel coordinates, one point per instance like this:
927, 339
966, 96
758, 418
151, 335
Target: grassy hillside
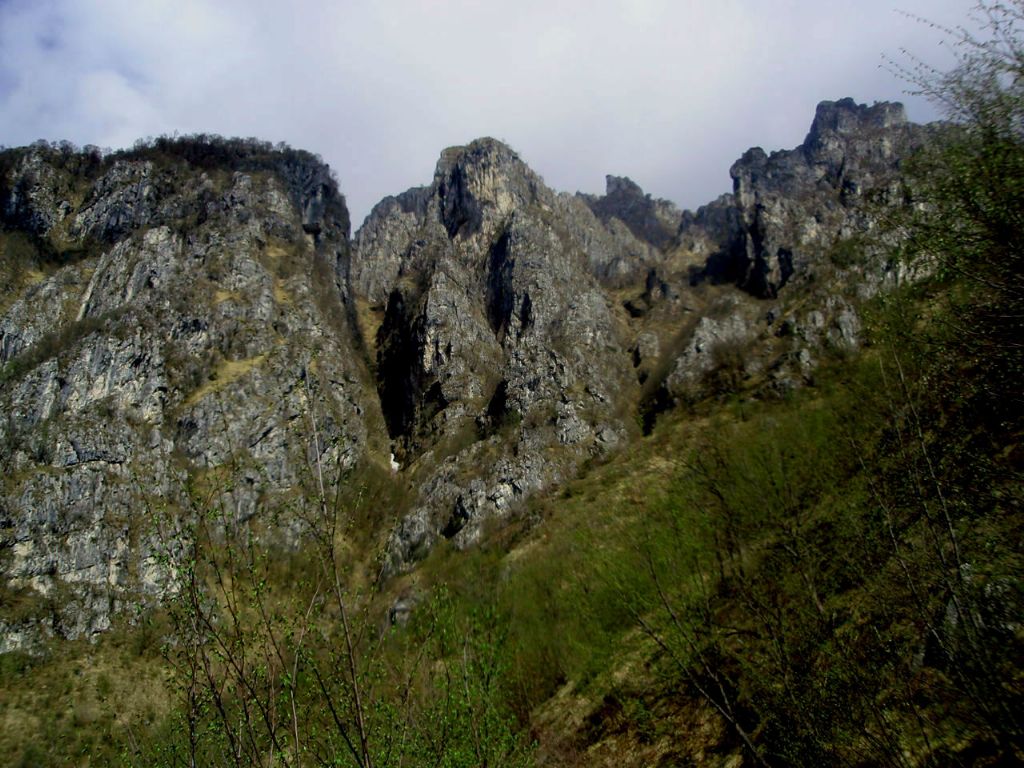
832, 579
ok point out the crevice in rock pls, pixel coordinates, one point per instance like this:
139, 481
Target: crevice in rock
459, 517
756, 281
500, 295
497, 407
653, 406
499, 413
434, 401
460, 214
785, 258
727, 265
397, 384
526, 314
636, 308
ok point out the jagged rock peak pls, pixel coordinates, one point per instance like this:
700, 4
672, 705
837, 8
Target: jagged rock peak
847, 117
792, 203
653, 221
482, 183
844, 129
622, 186
479, 152
476, 191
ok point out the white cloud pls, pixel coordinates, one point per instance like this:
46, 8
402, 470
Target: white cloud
669, 92
119, 111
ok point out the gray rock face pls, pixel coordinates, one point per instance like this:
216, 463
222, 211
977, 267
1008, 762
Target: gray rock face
627, 234
651, 221
178, 322
793, 205
197, 335
388, 229
496, 345
711, 336
800, 225
715, 233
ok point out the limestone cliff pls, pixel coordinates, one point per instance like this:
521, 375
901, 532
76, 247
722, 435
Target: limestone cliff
501, 362
187, 326
789, 208
173, 327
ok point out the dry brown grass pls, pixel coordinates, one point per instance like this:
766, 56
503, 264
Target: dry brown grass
225, 374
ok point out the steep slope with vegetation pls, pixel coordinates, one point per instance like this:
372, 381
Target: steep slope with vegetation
812, 556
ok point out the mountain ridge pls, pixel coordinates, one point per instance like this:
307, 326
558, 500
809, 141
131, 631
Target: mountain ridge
184, 315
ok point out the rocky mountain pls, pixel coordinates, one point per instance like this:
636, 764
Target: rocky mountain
188, 326
501, 363
173, 327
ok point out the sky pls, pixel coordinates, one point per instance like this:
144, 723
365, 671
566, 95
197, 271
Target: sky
667, 92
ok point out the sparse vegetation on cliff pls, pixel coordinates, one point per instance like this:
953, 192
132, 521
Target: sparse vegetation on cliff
813, 558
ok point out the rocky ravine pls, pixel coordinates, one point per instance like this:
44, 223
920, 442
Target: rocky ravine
179, 321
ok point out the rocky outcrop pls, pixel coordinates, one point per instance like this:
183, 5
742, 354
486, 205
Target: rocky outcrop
794, 205
716, 235
501, 363
652, 221
177, 336
800, 228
